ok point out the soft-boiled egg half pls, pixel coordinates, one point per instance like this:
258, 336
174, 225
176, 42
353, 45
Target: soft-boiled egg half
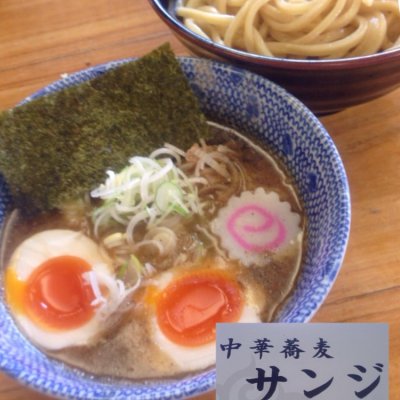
187, 303
53, 282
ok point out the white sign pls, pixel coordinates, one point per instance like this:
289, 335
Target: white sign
302, 361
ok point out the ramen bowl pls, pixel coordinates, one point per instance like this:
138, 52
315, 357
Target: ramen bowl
256, 107
325, 86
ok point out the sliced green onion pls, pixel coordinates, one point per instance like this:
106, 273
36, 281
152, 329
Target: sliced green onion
133, 262
146, 191
121, 272
137, 264
169, 196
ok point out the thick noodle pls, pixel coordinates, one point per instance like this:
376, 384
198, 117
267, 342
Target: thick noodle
323, 29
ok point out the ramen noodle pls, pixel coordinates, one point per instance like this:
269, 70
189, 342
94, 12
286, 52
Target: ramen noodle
320, 29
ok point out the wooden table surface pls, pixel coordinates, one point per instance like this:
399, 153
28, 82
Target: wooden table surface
41, 39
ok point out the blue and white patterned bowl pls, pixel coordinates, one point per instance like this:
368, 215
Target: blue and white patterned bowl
252, 105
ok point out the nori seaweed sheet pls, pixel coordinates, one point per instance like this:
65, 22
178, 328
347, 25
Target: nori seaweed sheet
56, 148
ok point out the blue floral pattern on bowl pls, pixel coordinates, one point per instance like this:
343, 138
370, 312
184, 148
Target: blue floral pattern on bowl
252, 105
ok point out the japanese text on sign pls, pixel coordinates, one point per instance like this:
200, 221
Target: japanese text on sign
302, 361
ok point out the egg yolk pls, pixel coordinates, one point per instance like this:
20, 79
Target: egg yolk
189, 308
56, 294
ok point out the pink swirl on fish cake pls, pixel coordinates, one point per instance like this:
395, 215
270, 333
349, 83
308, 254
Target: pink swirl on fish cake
269, 221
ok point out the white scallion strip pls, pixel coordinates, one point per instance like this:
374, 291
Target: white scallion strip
136, 219
91, 279
149, 269
170, 151
117, 293
162, 172
101, 217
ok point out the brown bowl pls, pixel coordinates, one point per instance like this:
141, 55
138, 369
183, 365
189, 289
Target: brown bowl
325, 86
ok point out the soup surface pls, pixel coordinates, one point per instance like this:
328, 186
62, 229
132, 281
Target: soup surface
130, 281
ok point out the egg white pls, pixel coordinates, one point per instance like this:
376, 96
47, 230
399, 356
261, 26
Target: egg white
34, 251
193, 358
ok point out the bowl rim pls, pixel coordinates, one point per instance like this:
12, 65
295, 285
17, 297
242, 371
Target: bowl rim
208, 376
240, 56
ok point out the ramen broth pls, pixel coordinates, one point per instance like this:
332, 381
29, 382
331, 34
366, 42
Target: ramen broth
129, 348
